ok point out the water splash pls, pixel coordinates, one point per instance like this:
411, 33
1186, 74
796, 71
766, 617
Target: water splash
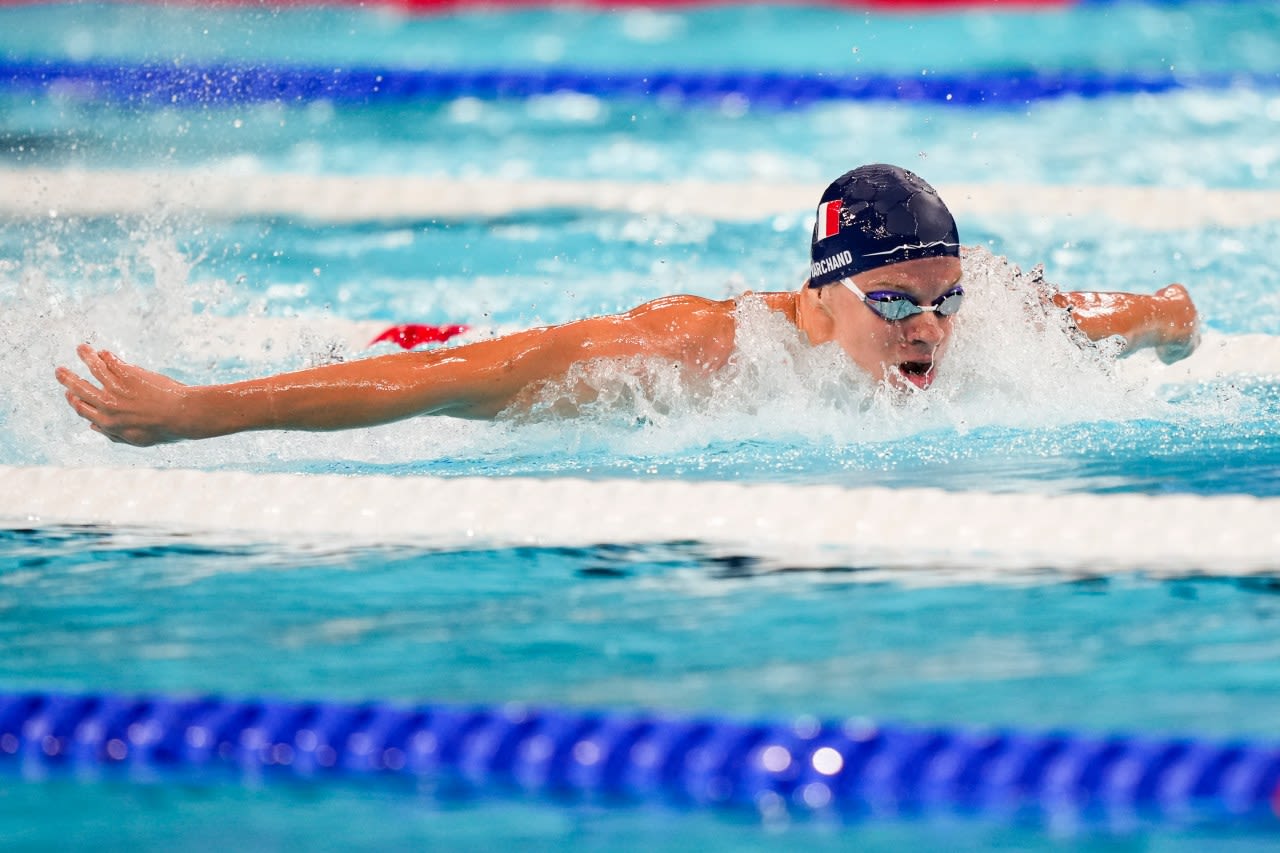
1016, 377
1014, 361
128, 286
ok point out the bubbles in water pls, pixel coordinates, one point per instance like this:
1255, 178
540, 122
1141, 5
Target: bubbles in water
1014, 360
781, 408
126, 286
57, 298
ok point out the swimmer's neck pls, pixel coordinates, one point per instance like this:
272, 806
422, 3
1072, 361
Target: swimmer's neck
802, 309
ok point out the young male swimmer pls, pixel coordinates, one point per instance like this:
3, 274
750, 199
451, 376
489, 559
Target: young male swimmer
885, 284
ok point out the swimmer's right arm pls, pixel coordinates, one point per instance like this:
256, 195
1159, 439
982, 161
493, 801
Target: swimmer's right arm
135, 406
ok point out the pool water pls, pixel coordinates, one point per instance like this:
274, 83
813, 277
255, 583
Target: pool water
638, 626
1071, 425
600, 628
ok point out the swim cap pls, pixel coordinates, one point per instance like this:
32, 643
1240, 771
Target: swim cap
875, 216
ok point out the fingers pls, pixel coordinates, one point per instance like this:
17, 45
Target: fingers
94, 360
117, 368
86, 399
89, 413
80, 389
110, 409
82, 407
95, 418
104, 366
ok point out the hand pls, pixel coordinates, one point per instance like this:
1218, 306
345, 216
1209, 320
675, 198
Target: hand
1166, 321
133, 406
1178, 327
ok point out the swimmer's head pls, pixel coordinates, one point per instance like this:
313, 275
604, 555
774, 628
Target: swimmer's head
886, 235
875, 216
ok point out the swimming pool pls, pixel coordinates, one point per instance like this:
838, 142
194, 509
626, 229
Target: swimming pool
233, 289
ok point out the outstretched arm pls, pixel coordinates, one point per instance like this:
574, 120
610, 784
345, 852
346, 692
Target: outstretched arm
136, 406
1166, 321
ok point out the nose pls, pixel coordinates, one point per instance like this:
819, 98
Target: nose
925, 330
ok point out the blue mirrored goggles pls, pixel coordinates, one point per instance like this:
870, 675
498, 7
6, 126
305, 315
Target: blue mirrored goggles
894, 305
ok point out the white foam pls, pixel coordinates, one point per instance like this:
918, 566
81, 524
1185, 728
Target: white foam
1013, 369
1219, 356
40, 193
777, 390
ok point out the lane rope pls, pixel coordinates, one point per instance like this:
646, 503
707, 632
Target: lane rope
171, 85
44, 193
985, 535
853, 768
899, 6
436, 6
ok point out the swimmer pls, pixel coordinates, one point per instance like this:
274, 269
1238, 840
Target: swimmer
885, 285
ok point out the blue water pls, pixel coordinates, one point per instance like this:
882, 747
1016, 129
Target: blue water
1196, 138
662, 627
1122, 36
546, 268
656, 627
1190, 139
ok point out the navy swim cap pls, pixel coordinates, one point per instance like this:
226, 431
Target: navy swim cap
875, 216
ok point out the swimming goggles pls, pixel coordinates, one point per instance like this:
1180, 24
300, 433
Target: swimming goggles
894, 305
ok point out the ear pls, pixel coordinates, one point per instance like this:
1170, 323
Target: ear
818, 319
821, 300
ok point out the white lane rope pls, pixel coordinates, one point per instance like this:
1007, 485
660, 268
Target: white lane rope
1217, 357
784, 526
972, 535
339, 199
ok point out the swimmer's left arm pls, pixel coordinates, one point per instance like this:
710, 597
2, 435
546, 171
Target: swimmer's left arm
1167, 321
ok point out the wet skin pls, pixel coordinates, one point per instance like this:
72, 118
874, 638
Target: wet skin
132, 405
903, 353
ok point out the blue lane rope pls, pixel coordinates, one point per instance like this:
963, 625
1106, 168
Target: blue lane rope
851, 768
162, 85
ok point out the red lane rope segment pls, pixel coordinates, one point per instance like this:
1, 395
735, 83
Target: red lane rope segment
435, 6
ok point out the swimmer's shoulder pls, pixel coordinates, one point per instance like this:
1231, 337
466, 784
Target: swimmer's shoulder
783, 302
684, 311
697, 330
685, 316
709, 316
692, 329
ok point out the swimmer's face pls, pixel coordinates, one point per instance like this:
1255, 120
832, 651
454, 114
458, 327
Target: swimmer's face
903, 352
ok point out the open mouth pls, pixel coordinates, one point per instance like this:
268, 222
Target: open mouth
918, 373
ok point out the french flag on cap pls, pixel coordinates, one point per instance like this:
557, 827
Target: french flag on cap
828, 219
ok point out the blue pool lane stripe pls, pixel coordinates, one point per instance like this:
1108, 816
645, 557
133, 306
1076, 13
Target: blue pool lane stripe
163, 85
849, 768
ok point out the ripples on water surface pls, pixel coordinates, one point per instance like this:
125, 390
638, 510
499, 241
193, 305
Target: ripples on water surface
620, 626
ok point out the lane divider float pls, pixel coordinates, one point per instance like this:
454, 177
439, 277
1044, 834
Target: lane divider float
169, 85
331, 199
441, 6
853, 768
979, 535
